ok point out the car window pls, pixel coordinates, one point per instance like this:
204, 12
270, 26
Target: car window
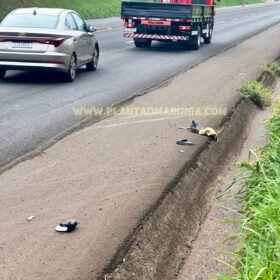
31, 21
70, 23
80, 23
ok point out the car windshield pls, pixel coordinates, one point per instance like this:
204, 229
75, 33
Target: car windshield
31, 21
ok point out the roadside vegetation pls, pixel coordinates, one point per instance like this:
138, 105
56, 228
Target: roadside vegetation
259, 254
89, 9
272, 68
240, 2
258, 93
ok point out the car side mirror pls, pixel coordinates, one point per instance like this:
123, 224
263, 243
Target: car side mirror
91, 28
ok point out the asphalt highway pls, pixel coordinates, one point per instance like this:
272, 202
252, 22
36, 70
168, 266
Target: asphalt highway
37, 107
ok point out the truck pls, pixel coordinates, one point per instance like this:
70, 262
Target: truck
184, 21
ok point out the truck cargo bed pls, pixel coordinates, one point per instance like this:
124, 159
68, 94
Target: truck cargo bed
157, 10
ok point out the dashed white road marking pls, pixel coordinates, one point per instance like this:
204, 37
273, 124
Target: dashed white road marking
129, 42
234, 19
222, 21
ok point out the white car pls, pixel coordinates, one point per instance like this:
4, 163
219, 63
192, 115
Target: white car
47, 39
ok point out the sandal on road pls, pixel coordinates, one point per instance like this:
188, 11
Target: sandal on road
185, 142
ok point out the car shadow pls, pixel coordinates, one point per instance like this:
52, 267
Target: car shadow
37, 78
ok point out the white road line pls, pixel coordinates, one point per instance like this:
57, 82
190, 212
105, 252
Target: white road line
42, 169
113, 125
234, 19
130, 42
220, 22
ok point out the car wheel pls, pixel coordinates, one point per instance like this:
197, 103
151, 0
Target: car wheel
72, 70
2, 73
92, 66
197, 40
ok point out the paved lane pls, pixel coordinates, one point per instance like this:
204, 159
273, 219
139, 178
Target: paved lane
35, 108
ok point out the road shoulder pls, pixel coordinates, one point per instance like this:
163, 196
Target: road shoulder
108, 175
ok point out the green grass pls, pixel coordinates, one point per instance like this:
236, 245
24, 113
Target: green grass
240, 2
259, 254
258, 93
87, 8
272, 68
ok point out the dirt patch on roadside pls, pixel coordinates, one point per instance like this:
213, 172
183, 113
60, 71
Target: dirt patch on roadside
159, 245
161, 242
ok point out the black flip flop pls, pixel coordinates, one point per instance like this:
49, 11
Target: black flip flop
185, 142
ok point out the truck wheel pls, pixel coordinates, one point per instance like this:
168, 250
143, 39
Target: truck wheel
143, 44
138, 44
208, 37
197, 40
2, 73
185, 45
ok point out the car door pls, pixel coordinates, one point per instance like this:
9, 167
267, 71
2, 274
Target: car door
86, 38
78, 38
